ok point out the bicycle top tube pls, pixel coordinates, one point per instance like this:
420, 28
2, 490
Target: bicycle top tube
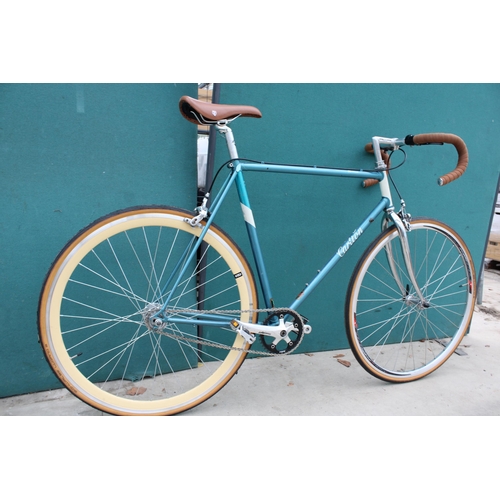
255, 166
245, 165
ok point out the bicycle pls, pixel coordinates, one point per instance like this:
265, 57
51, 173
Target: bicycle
151, 310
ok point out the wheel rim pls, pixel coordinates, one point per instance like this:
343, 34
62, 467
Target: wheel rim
95, 322
392, 335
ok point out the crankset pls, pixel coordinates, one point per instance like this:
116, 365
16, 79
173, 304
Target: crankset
280, 333
289, 331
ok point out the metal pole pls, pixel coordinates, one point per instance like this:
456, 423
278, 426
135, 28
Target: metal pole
212, 138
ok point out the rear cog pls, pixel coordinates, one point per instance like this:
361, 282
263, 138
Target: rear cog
291, 331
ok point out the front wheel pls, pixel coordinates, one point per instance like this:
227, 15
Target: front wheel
391, 333
99, 301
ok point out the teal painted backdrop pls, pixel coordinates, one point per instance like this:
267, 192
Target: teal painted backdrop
303, 220
68, 155
72, 153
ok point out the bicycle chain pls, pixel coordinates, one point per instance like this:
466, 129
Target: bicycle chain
222, 346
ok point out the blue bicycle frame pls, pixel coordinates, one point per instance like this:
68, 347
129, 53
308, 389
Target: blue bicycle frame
236, 177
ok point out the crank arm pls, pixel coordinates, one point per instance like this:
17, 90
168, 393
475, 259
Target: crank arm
249, 330
238, 327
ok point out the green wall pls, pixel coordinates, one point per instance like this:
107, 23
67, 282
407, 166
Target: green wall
68, 155
303, 220
72, 153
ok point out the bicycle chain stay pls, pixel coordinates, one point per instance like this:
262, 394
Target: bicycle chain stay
275, 310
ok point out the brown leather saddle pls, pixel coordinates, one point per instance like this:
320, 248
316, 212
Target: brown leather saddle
200, 112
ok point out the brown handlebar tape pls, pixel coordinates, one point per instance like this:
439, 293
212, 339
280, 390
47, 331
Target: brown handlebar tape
457, 142
434, 138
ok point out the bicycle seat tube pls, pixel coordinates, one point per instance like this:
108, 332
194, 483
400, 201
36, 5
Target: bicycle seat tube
248, 217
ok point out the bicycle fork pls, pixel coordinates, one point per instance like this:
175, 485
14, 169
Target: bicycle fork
401, 221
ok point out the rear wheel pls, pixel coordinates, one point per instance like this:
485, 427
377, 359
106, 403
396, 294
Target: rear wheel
97, 308
394, 336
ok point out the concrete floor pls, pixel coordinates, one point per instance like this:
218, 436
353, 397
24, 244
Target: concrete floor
317, 384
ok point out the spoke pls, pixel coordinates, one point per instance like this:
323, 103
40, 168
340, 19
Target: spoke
399, 342
139, 261
396, 318
120, 348
88, 306
98, 288
126, 293
121, 269
193, 275
97, 334
120, 356
389, 273
100, 321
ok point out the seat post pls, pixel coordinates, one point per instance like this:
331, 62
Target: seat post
231, 144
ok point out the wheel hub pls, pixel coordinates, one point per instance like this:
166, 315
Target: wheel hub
413, 300
152, 322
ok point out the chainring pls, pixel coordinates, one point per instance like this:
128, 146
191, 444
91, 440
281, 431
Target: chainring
291, 335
